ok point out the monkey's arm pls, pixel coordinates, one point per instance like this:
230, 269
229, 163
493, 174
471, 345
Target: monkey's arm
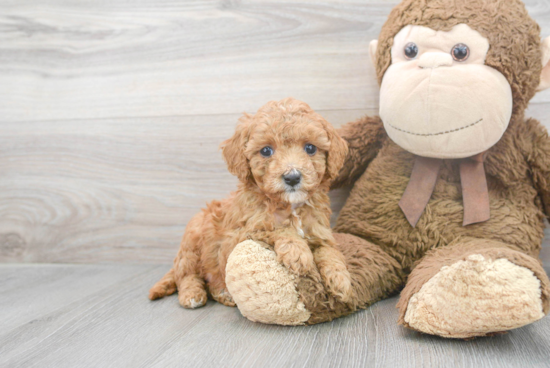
537, 145
364, 137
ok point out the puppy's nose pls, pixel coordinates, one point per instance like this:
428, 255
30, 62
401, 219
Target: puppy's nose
293, 178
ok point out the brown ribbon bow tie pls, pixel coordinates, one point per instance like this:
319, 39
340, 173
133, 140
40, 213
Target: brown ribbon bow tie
421, 185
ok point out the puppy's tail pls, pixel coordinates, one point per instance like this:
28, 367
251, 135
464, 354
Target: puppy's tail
165, 286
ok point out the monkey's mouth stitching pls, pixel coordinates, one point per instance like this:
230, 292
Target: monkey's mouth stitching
440, 133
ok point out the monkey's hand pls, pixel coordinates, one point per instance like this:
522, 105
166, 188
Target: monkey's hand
364, 137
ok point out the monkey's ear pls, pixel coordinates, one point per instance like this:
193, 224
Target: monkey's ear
372, 51
234, 147
545, 73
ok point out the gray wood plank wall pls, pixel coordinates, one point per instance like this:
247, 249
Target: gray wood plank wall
111, 112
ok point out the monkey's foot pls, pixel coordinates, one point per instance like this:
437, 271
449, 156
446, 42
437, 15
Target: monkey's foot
476, 296
263, 289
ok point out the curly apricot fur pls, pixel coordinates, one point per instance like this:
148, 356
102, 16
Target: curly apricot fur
295, 221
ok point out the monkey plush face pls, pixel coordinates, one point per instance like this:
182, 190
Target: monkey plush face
438, 98
449, 71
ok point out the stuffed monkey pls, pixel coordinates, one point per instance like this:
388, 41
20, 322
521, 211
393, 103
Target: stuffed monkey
451, 184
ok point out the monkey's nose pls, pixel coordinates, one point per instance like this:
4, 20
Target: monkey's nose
434, 60
293, 178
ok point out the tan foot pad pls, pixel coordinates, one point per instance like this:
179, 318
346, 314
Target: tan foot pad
475, 297
263, 289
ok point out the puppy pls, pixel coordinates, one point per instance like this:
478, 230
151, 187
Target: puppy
285, 157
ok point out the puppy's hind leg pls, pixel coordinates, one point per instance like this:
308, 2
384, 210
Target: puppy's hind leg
191, 292
187, 275
216, 279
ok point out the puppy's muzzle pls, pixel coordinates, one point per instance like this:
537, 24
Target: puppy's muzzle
293, 178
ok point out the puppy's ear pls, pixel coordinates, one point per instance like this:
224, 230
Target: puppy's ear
336, 154
234, 147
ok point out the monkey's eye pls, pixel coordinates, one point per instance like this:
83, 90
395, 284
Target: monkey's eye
460, 52
310, 149
411, 50
267, 151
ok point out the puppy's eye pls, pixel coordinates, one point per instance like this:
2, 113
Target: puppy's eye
460, 52
267, 151
410, 50
310, 149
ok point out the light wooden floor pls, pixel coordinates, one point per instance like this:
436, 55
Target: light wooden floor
111, 113
99, 316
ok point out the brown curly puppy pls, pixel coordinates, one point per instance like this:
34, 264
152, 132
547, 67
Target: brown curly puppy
285, 157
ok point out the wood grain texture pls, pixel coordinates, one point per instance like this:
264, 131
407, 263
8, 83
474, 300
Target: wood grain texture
111, 112
74, 59
87, 60
109, 190
92, 323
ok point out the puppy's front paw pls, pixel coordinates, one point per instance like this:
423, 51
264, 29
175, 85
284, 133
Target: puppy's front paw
337, 280
295, 255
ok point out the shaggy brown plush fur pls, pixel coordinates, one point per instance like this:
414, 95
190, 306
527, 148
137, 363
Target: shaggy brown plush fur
518, 172
374, 276
295, 220
517, 168
372, 210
